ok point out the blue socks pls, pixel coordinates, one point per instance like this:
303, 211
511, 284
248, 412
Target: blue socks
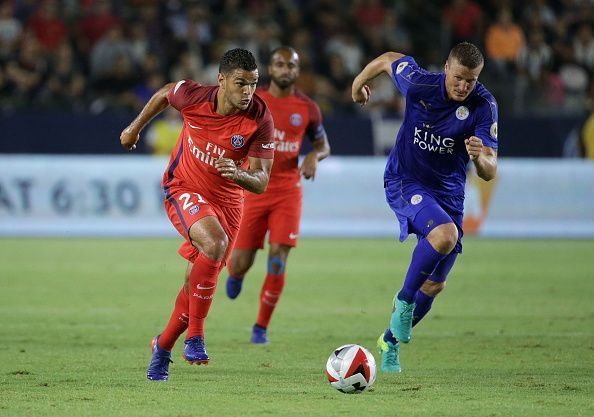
423, 305
424, 261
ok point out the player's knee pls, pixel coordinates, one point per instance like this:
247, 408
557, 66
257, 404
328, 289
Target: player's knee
276, 265
215, 247
432, 288
444, 238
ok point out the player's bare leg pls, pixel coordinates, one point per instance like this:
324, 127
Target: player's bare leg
240, 263
208, 236
271, 290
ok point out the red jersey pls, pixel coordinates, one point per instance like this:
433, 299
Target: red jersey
207, 136
294, 116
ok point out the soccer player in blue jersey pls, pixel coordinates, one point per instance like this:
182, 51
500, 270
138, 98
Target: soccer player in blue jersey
450, 119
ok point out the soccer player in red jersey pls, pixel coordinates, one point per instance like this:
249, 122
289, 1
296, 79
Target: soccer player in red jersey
225, 146
278, 211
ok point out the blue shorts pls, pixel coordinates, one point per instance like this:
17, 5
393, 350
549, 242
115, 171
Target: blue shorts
419, 211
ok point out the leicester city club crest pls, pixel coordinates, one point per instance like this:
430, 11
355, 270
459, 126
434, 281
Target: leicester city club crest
462, 112
237, 141
296, 119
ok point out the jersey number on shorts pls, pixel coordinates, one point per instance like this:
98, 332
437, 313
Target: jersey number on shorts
185, 197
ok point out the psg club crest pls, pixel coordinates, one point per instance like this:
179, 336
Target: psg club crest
296, 119
237, 141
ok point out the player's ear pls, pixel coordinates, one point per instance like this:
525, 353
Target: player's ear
221, 79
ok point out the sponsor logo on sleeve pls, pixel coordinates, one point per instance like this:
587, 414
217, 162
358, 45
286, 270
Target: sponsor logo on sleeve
195, 209
401, 67
269, 145
493, 130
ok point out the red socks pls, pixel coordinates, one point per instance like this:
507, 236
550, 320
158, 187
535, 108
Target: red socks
203, 283
271, 292
178, 323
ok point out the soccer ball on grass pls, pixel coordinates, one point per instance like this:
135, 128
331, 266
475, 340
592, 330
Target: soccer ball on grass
351, 369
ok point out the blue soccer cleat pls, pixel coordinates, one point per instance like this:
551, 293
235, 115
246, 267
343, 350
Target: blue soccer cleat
401, 320
259, 335
158, 370
195, 351
390, 351
233, 287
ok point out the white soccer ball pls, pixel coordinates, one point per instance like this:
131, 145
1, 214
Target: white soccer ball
351, 369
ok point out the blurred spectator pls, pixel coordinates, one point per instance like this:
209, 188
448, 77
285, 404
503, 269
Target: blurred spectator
463, 20
111, 49
583, 46
348, 48
99, 19
47, 25
10, 30
105, 54
535, 58
65, 87
504, 42
24, 74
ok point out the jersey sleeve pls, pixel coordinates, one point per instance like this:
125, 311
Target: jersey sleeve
183, 94
406, 73
315, 129
263, 144
486, 126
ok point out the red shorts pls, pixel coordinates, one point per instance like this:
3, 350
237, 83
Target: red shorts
184, 208
276, 211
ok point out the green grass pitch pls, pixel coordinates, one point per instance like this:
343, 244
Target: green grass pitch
512, 335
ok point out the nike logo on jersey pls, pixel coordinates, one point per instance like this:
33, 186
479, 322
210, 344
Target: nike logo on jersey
195, 127
268, 145
425, 104
292, 236
178, 85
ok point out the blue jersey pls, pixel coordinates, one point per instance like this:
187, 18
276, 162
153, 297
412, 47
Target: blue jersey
430, 148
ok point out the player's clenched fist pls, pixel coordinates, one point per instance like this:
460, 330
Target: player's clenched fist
128, 139
474, 147
227, 168
361, 95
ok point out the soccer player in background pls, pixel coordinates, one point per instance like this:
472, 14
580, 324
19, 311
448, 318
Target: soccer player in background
450, 119
225, 146
278, 210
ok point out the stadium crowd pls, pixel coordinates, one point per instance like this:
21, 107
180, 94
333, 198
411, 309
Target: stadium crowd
103, 55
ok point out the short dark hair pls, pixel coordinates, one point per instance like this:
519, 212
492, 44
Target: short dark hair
237, 59
282, 48
467, 54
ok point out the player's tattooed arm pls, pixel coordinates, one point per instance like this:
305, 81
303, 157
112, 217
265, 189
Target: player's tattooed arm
254, 179
360, 91
483, 157
321, 150
156, 104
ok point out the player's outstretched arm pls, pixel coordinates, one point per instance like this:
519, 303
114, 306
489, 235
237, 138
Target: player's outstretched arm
321, 150
156, 104
483, 157
254, 179
360, 90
